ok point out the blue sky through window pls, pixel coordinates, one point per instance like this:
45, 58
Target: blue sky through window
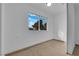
32, 19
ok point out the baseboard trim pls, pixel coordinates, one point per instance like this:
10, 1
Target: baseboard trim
59, 40
14, 52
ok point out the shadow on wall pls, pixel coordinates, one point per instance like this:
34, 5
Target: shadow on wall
61, 35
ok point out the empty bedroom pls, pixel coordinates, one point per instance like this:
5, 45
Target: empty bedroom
37, 29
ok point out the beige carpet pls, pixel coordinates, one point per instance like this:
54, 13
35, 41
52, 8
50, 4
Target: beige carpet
49, 48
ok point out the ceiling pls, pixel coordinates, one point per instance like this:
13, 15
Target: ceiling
54, 9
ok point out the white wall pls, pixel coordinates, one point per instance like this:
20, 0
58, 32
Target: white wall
60, 26
77, 23
15, 33
0, 29
15, 27
70, 28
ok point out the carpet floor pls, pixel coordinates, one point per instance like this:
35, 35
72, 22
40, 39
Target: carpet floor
49, 48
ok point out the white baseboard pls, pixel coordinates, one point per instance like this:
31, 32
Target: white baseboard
57, 38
